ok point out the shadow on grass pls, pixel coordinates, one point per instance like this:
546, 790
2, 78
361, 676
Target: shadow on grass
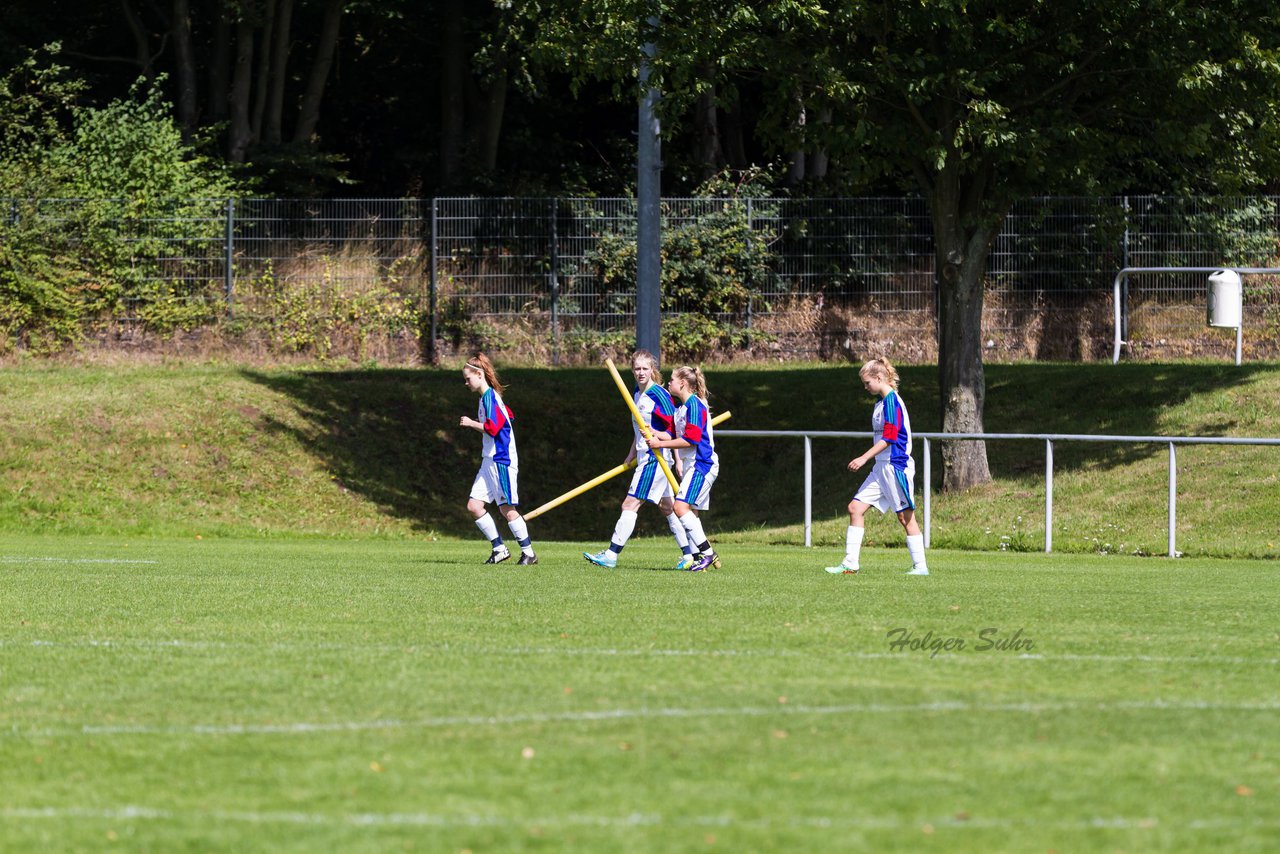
393, 437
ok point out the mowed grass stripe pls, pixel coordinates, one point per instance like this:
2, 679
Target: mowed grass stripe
135, 812
591, 716
133, 645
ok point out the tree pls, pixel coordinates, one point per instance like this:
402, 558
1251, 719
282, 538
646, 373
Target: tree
978, 103
985, 103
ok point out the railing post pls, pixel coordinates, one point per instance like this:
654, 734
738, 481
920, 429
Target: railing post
1117, 300
1048, 495
554, 287
1173, 498
432, 356
928, 490
229, 255
808, 492
751, 282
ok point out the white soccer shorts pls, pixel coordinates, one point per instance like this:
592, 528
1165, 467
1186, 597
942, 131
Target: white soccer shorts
495, 483
648, 483
889, 489
695, 487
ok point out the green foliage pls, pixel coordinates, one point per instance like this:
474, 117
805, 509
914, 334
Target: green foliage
38, 307
324, 313
37, 99
121, 208
716, 261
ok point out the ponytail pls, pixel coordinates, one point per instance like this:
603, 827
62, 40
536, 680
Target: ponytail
696, 380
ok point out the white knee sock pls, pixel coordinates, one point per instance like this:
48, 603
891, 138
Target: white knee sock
915, 546
853, 545
489, 529
693, 525
622, 531
677, 530
520, 531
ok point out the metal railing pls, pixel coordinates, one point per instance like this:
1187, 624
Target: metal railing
1048, 438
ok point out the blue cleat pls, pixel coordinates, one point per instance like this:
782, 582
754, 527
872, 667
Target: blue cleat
601, 559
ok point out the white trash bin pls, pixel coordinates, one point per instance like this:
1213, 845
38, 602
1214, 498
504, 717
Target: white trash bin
1226, 299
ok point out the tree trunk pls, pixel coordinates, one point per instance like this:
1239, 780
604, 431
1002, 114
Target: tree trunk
188, 104
795, 173
819, 162
962, 243
326, 49
220, 63
273, 121
141, 44
709, 154
453, 106
735, 149
494, 94
240, 135
262, 72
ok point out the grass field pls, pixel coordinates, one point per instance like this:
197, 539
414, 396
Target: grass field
359, 695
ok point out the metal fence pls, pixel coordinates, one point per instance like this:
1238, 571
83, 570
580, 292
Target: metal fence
809, 276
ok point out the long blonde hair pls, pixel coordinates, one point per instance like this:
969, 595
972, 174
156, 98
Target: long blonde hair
696, 381
480, 362
653, 363
882, 369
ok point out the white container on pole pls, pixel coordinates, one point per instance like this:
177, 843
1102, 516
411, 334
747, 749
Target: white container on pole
1226, 299
1226, 305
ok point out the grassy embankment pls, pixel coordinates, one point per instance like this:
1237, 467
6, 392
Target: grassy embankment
216, 450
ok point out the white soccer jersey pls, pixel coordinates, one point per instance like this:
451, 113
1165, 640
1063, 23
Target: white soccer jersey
658, 412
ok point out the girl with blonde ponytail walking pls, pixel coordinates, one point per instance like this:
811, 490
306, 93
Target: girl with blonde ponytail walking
889, 486
700, 465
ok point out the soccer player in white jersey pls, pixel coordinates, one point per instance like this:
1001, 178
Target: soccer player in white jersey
889, 486
648, 483
497, 480
696, 447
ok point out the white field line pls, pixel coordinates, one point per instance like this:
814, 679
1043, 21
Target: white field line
27, 559
462, 820
605, 715
570, 652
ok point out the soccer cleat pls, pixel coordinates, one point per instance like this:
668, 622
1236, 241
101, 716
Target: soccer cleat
601, 559
918, 570
843, 569
527, 560
686, 562
704, 562
500, 554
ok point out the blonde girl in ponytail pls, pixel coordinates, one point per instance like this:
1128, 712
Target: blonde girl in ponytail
700, 465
